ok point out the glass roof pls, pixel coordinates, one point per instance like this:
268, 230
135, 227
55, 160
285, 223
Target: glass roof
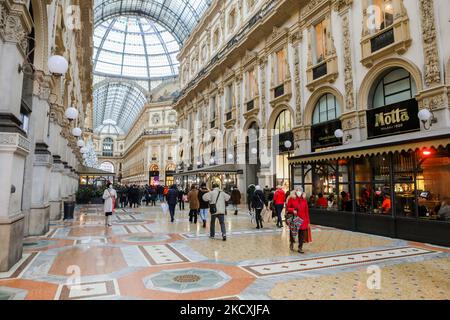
135, 48
117, 104
179, 17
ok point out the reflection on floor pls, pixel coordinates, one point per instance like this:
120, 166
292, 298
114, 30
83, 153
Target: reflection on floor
144, 256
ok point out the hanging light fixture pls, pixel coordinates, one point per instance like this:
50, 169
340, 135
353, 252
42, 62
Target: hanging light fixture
427, 118
77, 132
58, 65
71, 113
80, 143
288, 144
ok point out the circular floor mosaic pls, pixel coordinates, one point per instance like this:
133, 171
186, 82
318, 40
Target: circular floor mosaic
186, 280
152, 238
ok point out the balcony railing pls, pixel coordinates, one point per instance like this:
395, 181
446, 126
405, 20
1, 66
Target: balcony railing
320, 71
382, 40
279, 91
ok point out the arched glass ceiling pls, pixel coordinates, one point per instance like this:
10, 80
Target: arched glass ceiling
179, 17
117, 103
134, 48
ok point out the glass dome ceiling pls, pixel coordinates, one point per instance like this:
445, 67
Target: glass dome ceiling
135, 48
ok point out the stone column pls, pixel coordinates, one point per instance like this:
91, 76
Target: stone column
14, 144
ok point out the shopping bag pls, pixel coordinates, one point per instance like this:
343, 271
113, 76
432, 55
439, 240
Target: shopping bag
164, 207
308, 236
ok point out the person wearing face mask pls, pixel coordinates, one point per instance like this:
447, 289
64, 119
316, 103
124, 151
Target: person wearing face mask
110, 196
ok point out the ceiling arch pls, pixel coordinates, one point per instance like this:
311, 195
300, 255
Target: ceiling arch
117, 104
179, 17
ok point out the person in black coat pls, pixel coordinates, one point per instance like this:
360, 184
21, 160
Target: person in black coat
172, 200
180, 198
258, 202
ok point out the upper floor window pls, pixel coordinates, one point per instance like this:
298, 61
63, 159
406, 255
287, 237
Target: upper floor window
394, 86
327, 109
204, 53
251, 84
108, 147
229, 97
250, 4
216, 38
232, 20
320, 41
280, 67
380, 14
213, 108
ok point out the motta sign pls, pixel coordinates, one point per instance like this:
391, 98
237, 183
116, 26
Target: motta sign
393, 119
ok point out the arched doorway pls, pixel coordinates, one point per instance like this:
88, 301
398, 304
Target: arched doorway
170, 173
325, 121
107, 166
283, 146
392, 107
154, 175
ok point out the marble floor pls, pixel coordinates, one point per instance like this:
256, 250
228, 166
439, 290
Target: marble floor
144, 256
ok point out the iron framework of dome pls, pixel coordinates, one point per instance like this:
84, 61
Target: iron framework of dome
136, 43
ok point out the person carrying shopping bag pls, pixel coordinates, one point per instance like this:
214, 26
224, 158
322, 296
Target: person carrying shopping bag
217, 207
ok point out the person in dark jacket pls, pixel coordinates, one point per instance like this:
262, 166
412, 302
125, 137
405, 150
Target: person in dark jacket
258, 202
172, 199
267, 196
236, 199
180, 198
204, 205
250, 193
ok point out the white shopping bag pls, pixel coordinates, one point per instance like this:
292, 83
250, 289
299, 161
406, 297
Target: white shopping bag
164, 207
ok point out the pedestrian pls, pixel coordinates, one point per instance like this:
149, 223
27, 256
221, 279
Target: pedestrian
204, 206
153, 195
236, 199
293, 219
321, 202
172, 198
123, 197
258, 203
147, 195
181, 195
279, 199
305, 235
110, 196
217, 202
250, 193
194, 204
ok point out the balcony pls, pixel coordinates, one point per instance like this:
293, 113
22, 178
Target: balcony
251, 107
281, 93
323, 72
393, 40
230, 118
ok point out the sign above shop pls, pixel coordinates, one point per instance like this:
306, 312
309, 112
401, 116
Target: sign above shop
393, 119
286, 142
322, 135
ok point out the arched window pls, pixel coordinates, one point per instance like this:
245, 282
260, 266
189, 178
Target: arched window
108, 147
284, 122
252, 144
327, 109
107, 166
396, 85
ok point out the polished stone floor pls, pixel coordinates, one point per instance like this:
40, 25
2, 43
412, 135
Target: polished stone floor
144, 256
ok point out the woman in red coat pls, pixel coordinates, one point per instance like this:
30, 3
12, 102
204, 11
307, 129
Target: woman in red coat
304, 235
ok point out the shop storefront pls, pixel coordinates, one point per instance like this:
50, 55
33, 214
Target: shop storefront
393, 189
226, 176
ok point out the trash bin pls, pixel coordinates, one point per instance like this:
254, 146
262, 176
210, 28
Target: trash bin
69, 209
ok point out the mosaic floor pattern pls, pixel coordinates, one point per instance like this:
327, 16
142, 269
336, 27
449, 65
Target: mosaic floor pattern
144, 256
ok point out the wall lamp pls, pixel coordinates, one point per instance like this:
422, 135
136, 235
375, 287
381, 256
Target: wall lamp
340, 134
427, 117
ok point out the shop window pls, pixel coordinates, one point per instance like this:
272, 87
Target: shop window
395, 86
108, 147
327, 109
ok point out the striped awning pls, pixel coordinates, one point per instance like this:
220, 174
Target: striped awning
399, 143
